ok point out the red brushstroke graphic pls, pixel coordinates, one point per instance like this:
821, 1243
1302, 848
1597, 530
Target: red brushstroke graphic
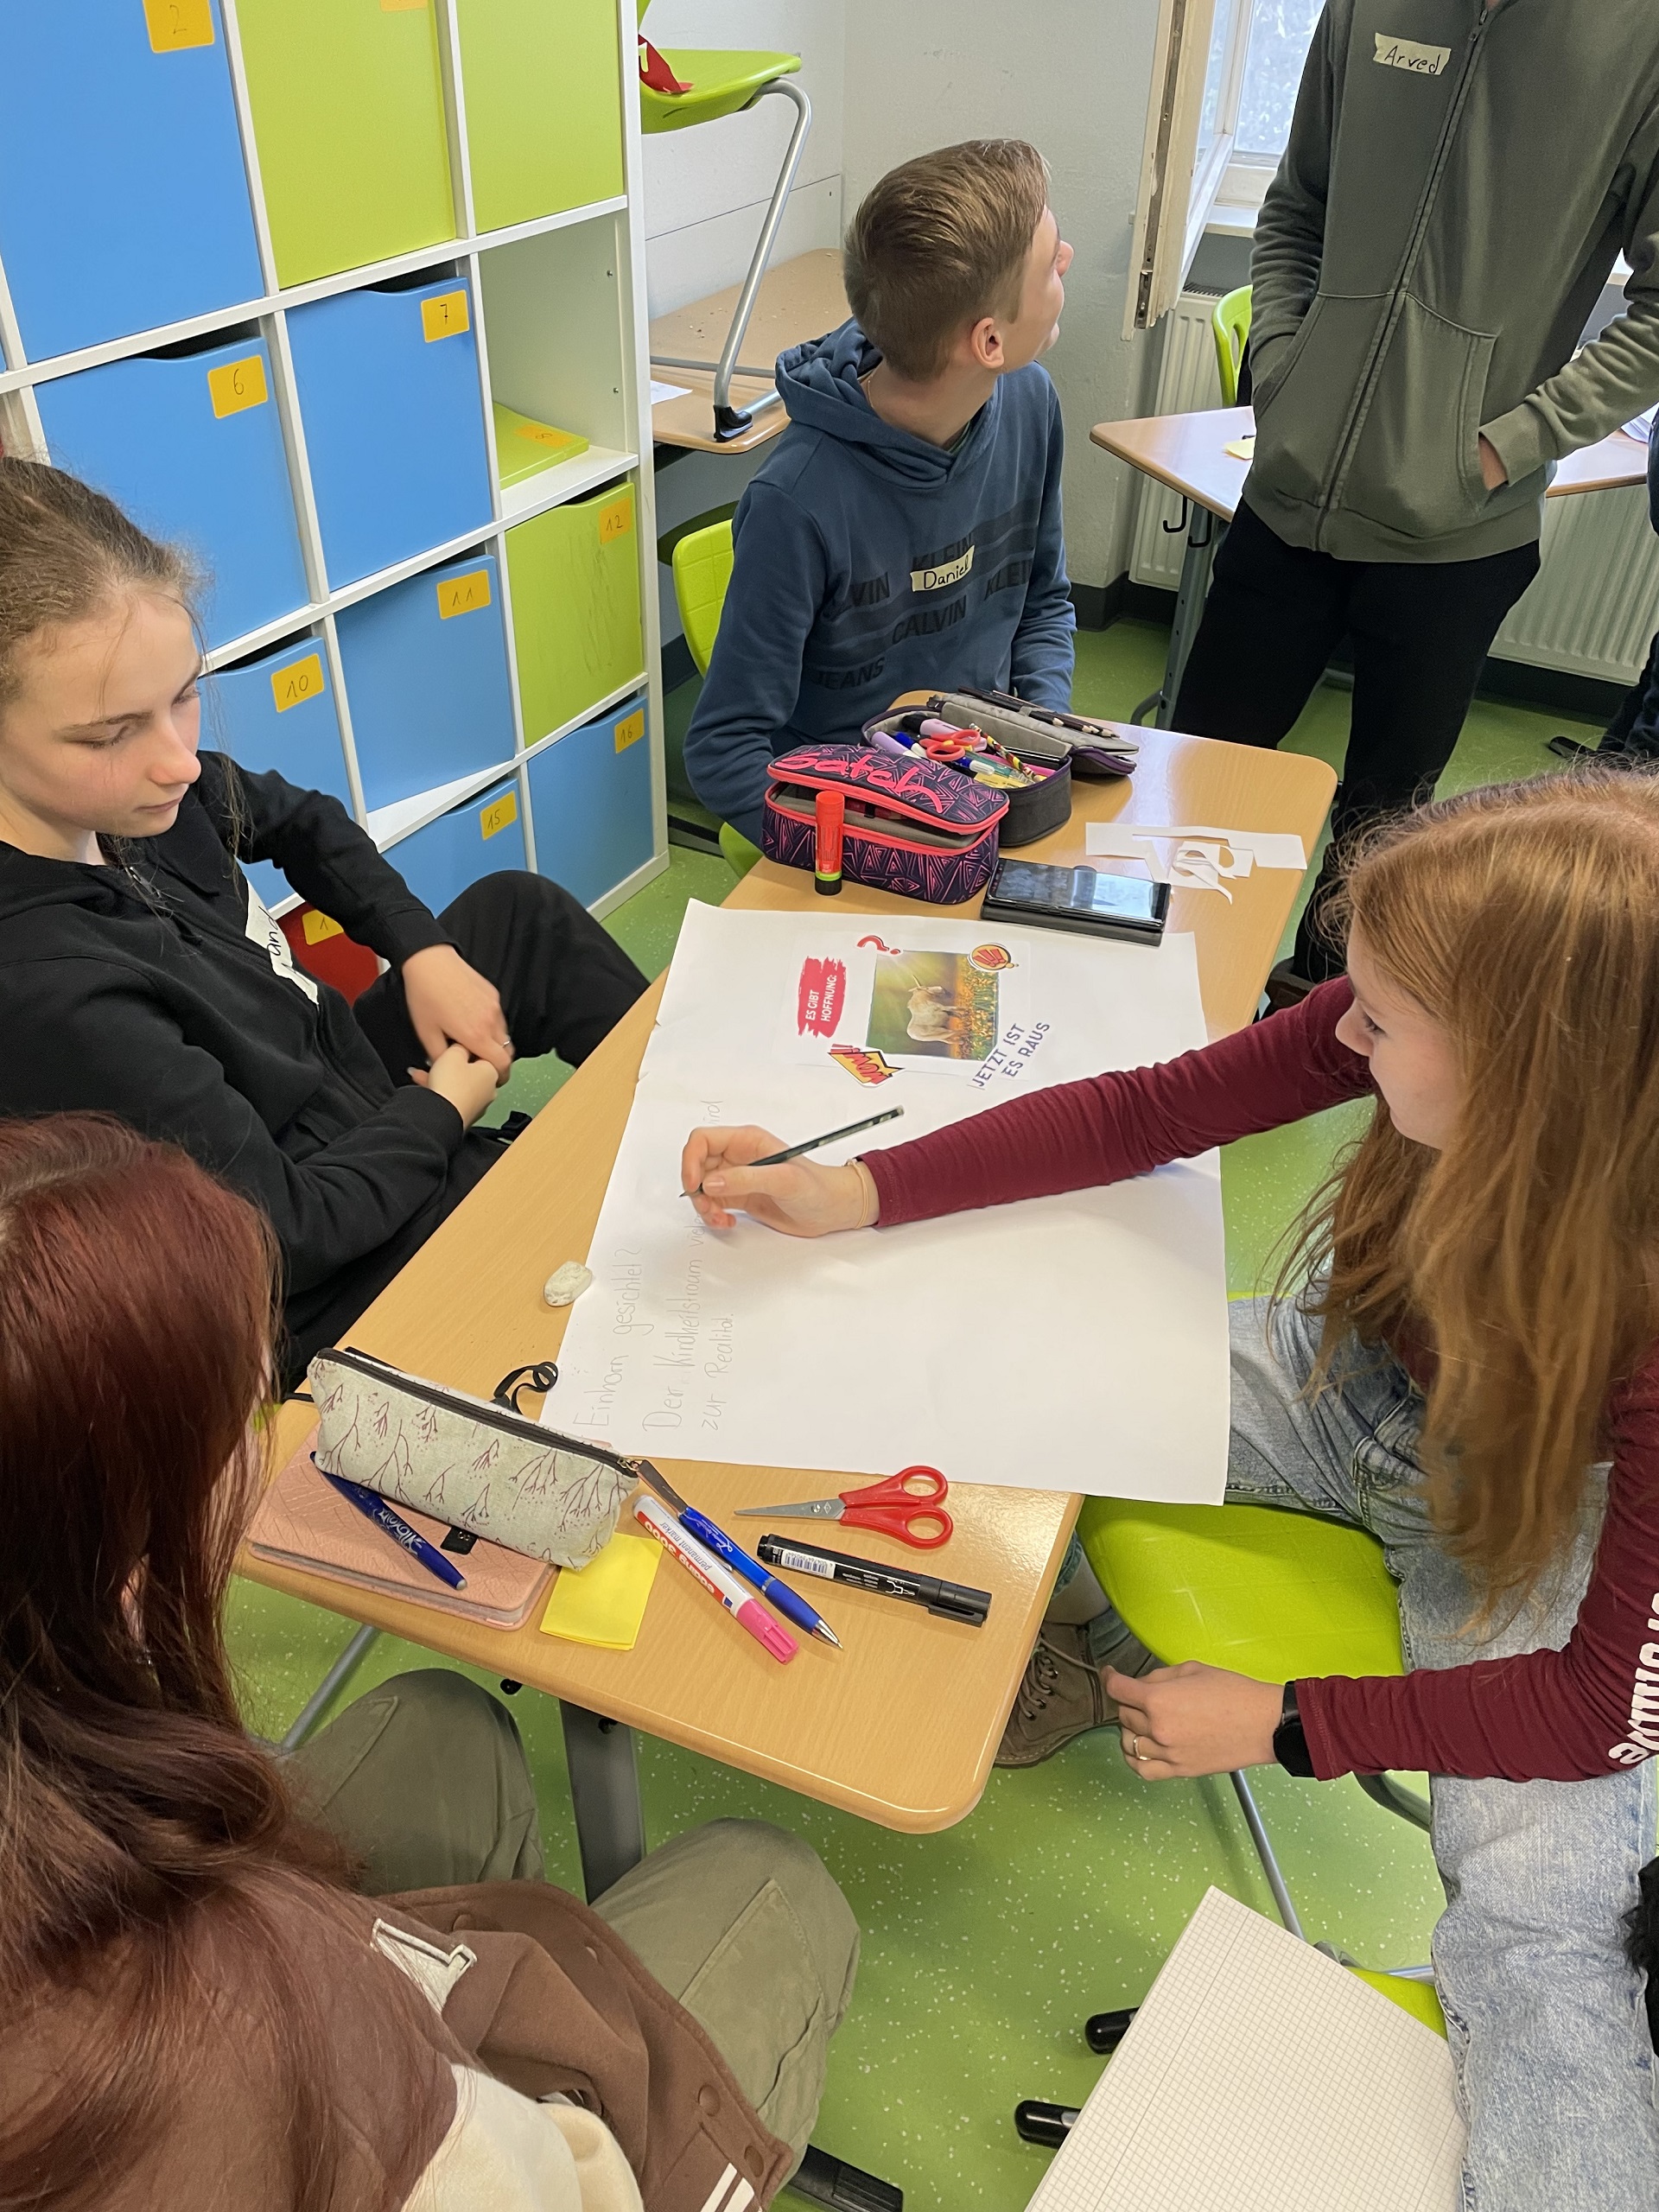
877, 943
822, 996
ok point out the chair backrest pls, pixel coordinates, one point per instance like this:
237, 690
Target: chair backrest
702, 568
1229, 319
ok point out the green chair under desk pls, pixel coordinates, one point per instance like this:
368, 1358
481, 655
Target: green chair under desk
702, 561
714, 83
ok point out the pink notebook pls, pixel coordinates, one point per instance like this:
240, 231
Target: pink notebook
304, 1522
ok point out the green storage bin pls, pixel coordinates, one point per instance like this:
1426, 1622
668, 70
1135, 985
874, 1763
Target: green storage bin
544, 95
577, 635
348, 98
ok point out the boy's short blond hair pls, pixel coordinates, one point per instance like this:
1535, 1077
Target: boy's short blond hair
939, 242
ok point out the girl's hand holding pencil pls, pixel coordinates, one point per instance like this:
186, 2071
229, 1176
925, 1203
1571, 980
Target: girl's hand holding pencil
726, 1172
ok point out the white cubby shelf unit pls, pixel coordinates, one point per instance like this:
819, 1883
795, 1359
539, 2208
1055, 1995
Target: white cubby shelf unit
556, 309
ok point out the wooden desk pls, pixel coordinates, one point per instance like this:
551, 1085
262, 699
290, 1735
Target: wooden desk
798, 300
841, 1726
1188, 454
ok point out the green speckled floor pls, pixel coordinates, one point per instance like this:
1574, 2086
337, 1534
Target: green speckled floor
985, 1947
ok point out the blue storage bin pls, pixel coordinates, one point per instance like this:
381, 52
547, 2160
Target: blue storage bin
426, 672
278, 711
591, 796
123, 200
189, 443
394, 422
479, 838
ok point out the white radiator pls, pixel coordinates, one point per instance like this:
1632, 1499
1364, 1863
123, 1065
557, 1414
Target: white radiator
1188, 378
1593, 608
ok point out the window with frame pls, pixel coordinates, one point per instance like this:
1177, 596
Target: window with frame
1224, 90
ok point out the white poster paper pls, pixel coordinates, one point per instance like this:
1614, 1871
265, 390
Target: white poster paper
1073, 1342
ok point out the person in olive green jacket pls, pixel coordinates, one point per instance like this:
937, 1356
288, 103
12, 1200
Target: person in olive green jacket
1459, 182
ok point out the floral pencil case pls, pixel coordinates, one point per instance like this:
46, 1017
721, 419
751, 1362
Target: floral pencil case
476, 1464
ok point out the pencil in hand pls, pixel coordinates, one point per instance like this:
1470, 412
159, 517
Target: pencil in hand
812, 1144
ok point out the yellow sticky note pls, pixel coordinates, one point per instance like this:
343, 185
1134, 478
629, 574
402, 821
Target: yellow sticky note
498, 813
1242, 448
463, 595
605, 1602
402, 7
299, 680
630, 731
319, 927
616, 520
236, 385
444, 315
174, 24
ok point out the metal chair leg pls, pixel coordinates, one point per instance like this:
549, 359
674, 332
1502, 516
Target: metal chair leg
729, 420
336, 1678
1383, 1790
1265, 1854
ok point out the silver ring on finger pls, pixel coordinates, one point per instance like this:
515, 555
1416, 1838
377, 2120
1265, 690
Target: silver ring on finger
1133, 1747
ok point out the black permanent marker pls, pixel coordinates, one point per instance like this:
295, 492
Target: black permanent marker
953, 1601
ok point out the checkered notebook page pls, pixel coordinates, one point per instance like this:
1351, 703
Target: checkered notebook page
1261, 2076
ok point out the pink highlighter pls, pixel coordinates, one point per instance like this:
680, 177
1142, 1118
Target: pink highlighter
699, 1561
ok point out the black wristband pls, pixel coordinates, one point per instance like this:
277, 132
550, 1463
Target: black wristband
1290, 1738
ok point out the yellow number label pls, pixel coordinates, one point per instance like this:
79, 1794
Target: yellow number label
544, 434
463, 595
174, 24
616, 520
499, 813
318, 926
630, 731
299, 680
402, 7
445, 317
237, 385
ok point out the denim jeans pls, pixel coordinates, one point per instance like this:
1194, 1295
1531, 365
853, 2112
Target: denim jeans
1545, 2016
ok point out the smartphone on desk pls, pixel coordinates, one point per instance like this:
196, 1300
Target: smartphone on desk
1084, 898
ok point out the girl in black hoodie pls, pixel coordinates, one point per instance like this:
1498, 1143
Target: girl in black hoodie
141, 974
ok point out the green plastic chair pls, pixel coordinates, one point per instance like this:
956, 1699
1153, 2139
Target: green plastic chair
702, 561
1261, 1591
1265, 1592
1229, 319
720, 82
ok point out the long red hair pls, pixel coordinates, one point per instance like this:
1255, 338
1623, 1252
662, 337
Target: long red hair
1525, 918
136, 1328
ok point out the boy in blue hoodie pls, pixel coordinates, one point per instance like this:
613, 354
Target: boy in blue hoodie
904, 532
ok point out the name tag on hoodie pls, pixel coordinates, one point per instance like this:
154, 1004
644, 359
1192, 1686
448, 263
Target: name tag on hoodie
952, 572
261, 931
1407, 54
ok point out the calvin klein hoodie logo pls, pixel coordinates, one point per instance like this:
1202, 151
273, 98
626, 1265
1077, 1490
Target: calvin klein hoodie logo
1408, 53
939, 579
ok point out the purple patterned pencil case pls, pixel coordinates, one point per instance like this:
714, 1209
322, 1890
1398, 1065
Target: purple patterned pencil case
913, 827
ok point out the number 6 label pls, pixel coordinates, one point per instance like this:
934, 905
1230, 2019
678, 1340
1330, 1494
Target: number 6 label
235, 384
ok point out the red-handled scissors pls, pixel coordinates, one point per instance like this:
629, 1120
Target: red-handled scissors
896, 1507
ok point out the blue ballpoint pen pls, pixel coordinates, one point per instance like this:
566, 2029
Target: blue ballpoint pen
788, 1603
370, 1503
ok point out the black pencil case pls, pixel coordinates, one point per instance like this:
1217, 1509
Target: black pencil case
1034, 810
